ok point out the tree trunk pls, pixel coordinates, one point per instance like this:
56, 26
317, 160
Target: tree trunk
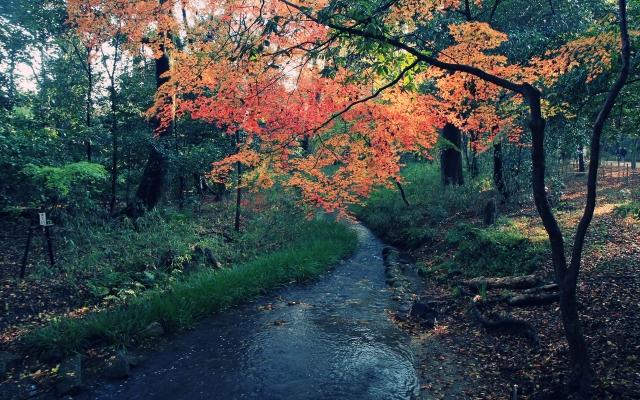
581, 370
474, 169
498, 172
509, 282
451, 157
238, 196
239, 188
89, 107
155, 172
114, 135
581, 160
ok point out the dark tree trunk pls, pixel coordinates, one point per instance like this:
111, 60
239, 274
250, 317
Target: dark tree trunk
114, 170
239, 188
498, 172
155, 172
581, 160
474, 170
451, 157
181, 186
114, 136
582, 372
238, 196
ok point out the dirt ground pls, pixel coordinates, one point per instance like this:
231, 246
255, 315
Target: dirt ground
499, 366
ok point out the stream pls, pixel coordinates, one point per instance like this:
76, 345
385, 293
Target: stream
325, 339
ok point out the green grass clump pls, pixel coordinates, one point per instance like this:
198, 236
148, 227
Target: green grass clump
319, 244
412, 225
494, 251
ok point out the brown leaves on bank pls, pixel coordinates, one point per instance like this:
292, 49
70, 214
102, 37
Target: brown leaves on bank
499, 365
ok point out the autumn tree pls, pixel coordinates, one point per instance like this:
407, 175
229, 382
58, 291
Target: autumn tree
389, 24
325, 93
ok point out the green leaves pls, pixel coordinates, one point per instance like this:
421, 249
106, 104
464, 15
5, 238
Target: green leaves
69, 181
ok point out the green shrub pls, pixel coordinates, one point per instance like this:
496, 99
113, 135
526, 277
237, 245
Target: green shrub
410, 226
494, 251
71, 183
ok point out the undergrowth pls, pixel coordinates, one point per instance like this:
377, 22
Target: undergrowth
430, 204
318, 244
448, 221
493, 251
154, 269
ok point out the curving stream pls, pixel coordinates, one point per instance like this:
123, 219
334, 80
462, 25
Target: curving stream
326, 339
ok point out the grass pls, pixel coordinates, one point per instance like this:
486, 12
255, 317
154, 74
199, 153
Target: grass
497, 251
446, 222
319, 245
430, 205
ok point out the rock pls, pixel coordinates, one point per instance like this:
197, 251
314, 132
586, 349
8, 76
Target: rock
52, 356
154, 329
426, 314
405, 308
431, 317
419, 309
385, 252
117, 367
400, 316
427, 324
69, 375
8, 361
135, 360
454, 273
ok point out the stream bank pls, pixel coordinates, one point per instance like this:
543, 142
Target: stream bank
327, 339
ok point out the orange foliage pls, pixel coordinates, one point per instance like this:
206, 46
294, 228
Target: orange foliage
240, 67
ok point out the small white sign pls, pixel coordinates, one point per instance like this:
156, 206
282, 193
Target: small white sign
43, 218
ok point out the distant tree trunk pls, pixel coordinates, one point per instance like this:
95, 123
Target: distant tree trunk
114, 135
89, 106
581, 159
239, 188
451, 157
155, 172
474, 170
181, 187
498, 171
238, 196
86, 65
635, 154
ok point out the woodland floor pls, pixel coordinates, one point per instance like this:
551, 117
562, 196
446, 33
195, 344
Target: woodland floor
609, 309
608, 294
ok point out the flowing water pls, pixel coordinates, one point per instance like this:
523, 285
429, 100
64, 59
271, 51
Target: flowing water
326, 339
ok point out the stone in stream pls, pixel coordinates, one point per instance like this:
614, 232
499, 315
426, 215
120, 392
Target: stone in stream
69, 375
117, 366
423, 311
8, 361
154, 329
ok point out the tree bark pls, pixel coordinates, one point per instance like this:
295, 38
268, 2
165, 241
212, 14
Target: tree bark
533, 300
498, 172
157, 168
451, 157
509, 282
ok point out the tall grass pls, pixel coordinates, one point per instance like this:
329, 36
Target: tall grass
389, 217
318, 244
440, 218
